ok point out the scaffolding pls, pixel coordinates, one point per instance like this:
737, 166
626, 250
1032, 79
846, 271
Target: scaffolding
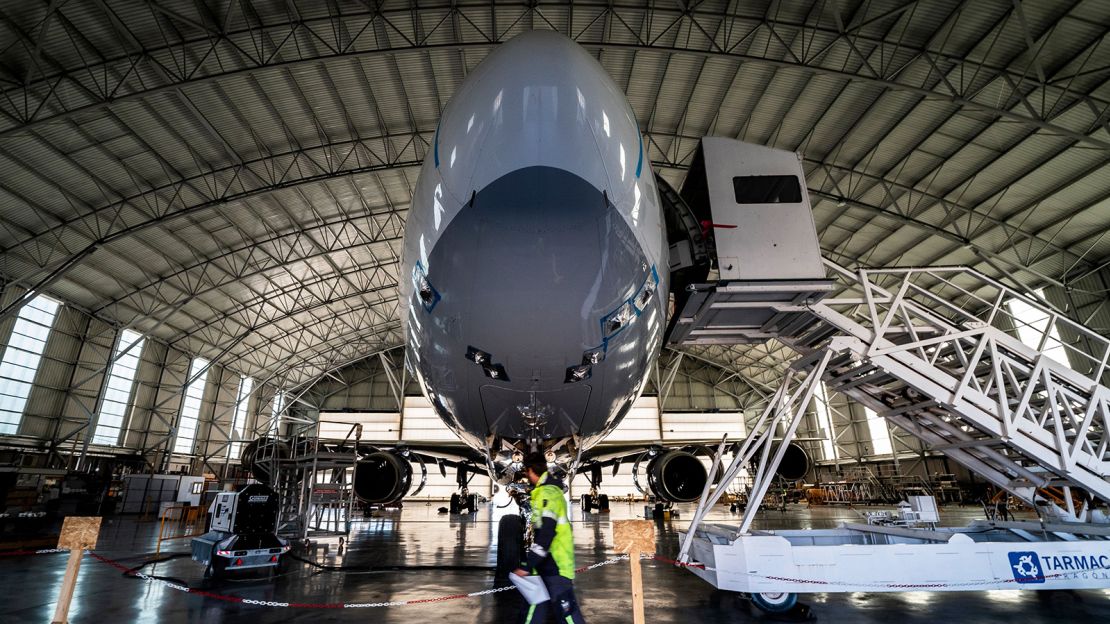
314, 480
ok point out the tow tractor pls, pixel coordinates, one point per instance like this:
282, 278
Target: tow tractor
242, 533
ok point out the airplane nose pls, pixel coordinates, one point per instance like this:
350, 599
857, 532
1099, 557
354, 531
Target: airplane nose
533, 263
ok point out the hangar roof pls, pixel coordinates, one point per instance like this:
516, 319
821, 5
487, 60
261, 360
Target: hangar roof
232, 176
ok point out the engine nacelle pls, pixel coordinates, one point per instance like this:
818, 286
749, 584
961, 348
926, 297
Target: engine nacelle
794, 464
676, 476
259, 455
382, 478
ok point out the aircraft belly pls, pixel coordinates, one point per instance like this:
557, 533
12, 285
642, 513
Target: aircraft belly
512, 413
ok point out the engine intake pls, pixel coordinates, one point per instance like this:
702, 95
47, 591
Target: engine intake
259, 455
382, 478
676, 476
794, 464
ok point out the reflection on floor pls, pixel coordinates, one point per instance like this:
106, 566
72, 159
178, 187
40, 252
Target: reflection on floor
419, 536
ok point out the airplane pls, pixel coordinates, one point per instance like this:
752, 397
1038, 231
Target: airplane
534, 274
535, 280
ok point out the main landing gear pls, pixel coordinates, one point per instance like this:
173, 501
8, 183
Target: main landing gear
463, 501
593, 500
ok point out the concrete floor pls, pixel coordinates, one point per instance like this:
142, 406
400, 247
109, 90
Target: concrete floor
419, 536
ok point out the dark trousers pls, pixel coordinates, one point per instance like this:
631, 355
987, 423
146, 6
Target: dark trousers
562, 602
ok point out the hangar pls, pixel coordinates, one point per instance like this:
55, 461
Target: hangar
325, 249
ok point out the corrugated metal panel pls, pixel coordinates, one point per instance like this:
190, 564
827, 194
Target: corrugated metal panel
641, 424
702, 426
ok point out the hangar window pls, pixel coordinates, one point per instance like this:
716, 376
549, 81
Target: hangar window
275, 414
824, 420
117, 394
190, 407
239, 420
21, 359
880, 434
1035, 330
771, 189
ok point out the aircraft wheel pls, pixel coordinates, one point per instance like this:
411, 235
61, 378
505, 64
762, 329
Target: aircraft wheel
603, 503
775, 602
472, 503
587, 503
510, 545
456, 504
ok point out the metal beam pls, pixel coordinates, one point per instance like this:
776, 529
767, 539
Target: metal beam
223, 41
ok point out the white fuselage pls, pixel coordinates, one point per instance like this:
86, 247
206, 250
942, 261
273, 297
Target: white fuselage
534, 273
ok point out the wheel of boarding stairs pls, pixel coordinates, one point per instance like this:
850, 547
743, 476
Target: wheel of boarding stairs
775, 602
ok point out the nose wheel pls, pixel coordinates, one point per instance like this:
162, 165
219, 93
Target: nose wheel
510, 545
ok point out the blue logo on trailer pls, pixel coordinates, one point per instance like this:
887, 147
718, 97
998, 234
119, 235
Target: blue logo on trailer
1026, 567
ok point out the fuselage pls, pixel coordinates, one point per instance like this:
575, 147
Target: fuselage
534, 271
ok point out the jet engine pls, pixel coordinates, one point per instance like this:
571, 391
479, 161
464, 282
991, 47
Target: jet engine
794, 464
382, 478
259, 457
676, 476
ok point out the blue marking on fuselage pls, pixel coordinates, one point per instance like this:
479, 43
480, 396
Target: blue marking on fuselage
640, 162
435, 147
604, 346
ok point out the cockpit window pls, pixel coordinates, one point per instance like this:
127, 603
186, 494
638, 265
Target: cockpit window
771, 189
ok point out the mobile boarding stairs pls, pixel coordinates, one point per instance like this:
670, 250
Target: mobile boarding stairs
933, 350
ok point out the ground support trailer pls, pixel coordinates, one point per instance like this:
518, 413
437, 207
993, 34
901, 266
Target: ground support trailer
775, 566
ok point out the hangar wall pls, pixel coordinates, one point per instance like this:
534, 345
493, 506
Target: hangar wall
700, 400
69, 383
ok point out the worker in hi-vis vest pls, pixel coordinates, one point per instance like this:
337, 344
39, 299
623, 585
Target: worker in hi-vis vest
552, 552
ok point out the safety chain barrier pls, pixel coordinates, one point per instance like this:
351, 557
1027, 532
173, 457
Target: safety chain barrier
298, 605
601, 564
486, 592
294, 605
